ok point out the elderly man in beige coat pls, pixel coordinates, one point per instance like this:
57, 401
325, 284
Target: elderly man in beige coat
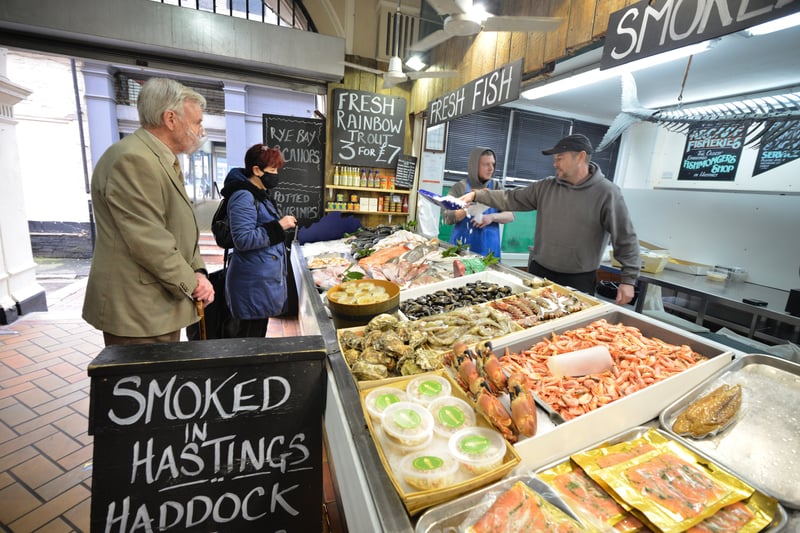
147, 271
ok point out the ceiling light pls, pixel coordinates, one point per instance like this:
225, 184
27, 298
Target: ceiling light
587, 77
415, 63
775, 25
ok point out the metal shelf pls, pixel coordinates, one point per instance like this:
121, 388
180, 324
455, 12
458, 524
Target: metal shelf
368, 189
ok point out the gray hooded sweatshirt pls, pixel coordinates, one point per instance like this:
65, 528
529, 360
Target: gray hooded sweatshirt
574, 222
460, 188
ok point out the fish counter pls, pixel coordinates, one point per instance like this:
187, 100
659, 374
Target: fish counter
569, 413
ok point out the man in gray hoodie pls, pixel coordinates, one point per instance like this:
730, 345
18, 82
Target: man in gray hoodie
481, 232
578, 209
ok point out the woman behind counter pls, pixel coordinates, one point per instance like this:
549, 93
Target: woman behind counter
255, 285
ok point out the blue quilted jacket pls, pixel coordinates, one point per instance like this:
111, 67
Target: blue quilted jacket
256, 282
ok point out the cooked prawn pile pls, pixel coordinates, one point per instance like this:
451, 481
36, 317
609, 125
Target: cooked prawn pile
639, 361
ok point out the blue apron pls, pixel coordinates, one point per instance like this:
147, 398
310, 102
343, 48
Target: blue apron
481, 240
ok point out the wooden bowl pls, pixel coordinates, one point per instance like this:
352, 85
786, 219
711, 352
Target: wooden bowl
348, 315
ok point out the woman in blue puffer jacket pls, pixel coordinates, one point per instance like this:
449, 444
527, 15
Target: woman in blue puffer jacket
255, 285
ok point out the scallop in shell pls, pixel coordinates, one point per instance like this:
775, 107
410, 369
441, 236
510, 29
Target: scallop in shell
382, 322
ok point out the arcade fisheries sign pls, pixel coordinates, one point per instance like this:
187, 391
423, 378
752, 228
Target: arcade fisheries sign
641, 30
208, 436
492, 89
713, 151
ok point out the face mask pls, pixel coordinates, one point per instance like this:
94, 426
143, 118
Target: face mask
197, 140
270, 181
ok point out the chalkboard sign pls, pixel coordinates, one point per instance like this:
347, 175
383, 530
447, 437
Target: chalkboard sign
713, 151
783, 148
404, 173
208, 436
368, 128
302, 143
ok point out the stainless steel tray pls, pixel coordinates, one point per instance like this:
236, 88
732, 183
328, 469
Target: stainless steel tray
621, 414
762, 444
447, 517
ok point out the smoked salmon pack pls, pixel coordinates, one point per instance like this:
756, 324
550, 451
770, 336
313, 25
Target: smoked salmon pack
661, 483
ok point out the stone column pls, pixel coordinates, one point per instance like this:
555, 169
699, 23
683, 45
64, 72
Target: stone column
101, 108
19, 291
235, 118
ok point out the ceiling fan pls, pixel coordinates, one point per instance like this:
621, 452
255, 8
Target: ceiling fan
462, 18
395, 74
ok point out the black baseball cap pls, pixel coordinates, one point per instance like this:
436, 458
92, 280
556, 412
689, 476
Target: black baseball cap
571, 143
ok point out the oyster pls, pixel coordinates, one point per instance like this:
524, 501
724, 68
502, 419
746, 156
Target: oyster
415, 339
351, 355
709, 414
363, 370
351, 339
371, 355
389, 341
428, 359
408, 367
382, 322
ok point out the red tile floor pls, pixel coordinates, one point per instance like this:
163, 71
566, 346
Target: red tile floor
45, 452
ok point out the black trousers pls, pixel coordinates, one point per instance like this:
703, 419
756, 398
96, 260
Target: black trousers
253, 328
584, 282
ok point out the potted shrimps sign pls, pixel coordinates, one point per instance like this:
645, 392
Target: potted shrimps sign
208, 436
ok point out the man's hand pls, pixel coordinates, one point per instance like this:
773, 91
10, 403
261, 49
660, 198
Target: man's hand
204, 290
468, 198
624, 294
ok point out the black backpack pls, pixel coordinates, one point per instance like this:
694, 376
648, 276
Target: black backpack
219, 222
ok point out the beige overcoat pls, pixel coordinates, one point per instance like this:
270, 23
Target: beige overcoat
146, 250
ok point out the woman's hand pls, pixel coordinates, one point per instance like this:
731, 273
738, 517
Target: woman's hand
288, 222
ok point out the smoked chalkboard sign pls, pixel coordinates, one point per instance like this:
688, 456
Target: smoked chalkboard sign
302, 143
404, 173
783, 148
368, 128
713, 151
208, 436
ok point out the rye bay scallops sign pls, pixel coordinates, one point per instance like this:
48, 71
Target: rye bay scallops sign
368, 128
208, 436
302, 144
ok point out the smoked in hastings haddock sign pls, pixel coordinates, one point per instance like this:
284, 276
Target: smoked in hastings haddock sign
208, 436
368, 129
302, 144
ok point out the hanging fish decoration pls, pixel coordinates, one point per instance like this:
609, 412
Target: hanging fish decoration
769, 116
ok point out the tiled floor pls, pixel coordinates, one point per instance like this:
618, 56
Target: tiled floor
45, 452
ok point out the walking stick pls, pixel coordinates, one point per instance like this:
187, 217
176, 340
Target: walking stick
201, 311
